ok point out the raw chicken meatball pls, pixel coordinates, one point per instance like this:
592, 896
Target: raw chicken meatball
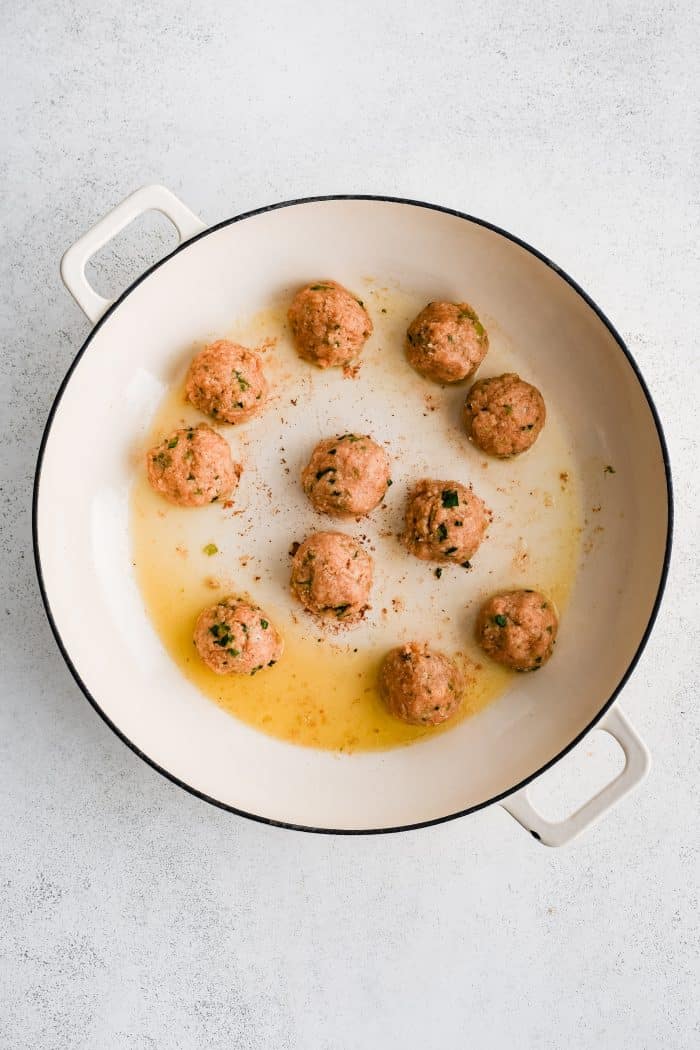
420, 685
235, 637
504, 415
445, 521
227, 381
446, 342
193, 466
329, 324
332, 578
518, 629
347, 476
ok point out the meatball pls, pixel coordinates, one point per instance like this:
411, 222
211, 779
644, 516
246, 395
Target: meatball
329, 324
332, 578
347, 476
420, 685
504, 415
518, 629
446, 342
445, 521
235, 637
193, 466
227, 381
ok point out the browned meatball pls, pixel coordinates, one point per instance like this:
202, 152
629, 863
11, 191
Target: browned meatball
227, 381
518, 629
329, 324
446, 342
504, 415
347, 476
420, 685
235, 637
445, 521
332, 578
193, 466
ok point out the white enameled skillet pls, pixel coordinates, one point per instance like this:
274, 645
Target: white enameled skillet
81, 523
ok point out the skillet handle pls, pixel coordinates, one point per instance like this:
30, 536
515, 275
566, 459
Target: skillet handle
148, 198
558, 833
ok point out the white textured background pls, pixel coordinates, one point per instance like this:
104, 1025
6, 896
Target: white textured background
134, 916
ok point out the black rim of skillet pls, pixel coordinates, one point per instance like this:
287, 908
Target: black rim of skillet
662, 580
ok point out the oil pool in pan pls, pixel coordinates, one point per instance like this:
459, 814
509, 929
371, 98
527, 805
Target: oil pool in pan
323, 692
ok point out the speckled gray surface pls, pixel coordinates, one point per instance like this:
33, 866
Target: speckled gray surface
131, 914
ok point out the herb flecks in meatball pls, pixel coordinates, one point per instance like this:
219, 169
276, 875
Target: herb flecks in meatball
192, 467
236, 637
445, 521
420, 685
347, 476
329, 324
504, 415
227, 382
518, 629
332, 578
446, 342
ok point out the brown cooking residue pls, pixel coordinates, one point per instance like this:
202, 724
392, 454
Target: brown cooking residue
269, 343
521, 558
